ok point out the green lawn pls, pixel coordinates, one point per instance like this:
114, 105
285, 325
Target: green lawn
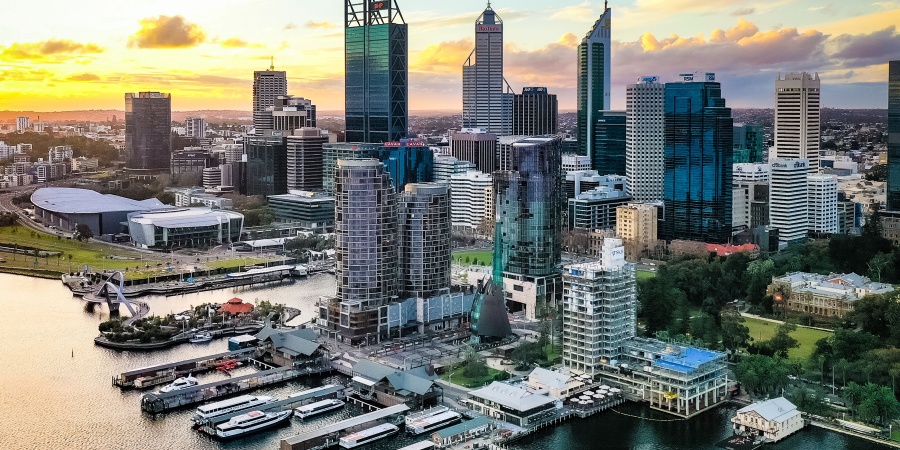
761, 330
484, 257
642, 274
460, 379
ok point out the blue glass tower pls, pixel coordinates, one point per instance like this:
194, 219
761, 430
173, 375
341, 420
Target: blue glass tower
893, 181
608, 154
376, 75
698, 159
407, 162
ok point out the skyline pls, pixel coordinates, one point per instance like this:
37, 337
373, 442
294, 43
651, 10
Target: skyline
205, 53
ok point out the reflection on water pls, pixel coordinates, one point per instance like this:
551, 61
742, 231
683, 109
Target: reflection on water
56, 388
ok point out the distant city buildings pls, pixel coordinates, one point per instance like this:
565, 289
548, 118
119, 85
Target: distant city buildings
267, 86
148, 131
593, 92
22, 124
195, 127
291, 113
487, 102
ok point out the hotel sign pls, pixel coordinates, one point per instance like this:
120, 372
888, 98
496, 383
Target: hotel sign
489, 28
404, 144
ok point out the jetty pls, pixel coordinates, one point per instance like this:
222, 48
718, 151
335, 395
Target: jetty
166, 373
329, 435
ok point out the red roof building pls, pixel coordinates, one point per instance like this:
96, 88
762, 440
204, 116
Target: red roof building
236, 306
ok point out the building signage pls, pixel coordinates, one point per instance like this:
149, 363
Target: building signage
404, 144
379, 5
710, 77
534, 89
686, 76
489, 28
653, 79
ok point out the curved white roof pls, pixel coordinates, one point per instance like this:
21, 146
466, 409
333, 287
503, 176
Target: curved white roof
84, 201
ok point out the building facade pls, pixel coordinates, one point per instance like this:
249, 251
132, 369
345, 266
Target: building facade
596, 209
148, 131
447, 166
312, 211
535, 112
593, 79
267, 86
832, 295
291, 113
772, 420
195, 127
176, 228
487, 102
424, 227
472, 201
305, 159
572, 162
645, 139
476, 146
749, 180
788, 195
266, 165
609, 143
822, 202
406, 161
749, 143
893, 181
577, 182
637, 226
797, 119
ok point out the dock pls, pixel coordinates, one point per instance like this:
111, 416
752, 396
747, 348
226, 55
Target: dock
166, 373
328, 436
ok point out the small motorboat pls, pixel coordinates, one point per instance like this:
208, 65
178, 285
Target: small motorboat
200, 338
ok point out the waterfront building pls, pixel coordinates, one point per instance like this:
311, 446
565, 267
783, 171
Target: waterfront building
833, 295
893, 179
267, 86
184, 228
148, 131
788, 196
637, 226
797, 127
593, 79
310, 210
572, 162
596, 209
461, 432
487, 98
822, 204
447, 166
645, 134
476, 146
424, 227
103, 214
599, 309
580, 181
535, 112
376, 41
698, 161
527, 236
266, 164
406, 161
195, 127
305, 159
291, 113
390, 386
512, 404
608, 155
749, 182
472, 201
749, 143
773, 420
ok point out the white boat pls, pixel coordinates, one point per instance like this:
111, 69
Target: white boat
250, 422
311, 392
432, 422
201, 337
229, 406
179, 384
354, 440
317, 408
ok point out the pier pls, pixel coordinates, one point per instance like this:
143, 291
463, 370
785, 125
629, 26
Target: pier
328, 436
166, 373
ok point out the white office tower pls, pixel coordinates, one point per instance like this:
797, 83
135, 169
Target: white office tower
471, 200
797, 127
746, 180
447, 166
599, 309
575, 163
267, 86
823, 204
788, 209
645, 139
23, 123
487, 99
195, 127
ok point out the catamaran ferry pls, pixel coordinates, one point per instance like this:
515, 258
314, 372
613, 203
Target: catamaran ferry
206, 412
423, 424
368, 435
317, 408
251, 422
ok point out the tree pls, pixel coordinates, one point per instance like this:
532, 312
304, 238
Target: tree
658, 299
475, 366
762, 374
759, 275
842, 365
782, 341
526, 354
83, 232
879, 264
852, 345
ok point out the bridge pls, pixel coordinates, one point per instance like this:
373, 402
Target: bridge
112, 294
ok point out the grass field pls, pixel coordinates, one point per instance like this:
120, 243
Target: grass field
460, 379
642, 274
484, 257
761, 330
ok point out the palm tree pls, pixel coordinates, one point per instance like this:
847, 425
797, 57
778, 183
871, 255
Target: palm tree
843, 365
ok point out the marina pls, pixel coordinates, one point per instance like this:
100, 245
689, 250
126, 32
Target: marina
251, 422
373, 434
320, 407
330, 435
165, 373
430, 420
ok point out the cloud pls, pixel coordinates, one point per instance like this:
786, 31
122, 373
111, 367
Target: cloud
167, 32
290, 26
83, 77
866, 49
236, 42
427, 20
325, 24
582, 12
443, 56
887, 5
822, 9
680, 6
742, 12
552, 66
26, 75
34, 51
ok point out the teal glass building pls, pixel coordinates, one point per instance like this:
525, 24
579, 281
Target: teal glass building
608, 154
593, 90
376, 71
698, 162
893, 182
266, 166
407, 162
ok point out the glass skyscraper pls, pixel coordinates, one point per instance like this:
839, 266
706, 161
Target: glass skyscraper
376, 77
148, 131
593, 79
406, 162
609, 143
266, 165
698, 161
893, 182
487, 102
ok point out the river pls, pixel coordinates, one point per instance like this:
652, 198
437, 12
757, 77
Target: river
56, 391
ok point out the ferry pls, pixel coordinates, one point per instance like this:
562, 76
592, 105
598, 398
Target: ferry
201, 337
309, 392
179, 384
250, 422
317, 408
206, 412
354, 440
424, 424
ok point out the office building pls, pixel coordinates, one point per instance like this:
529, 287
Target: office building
788, 193
310, 210
375, 71
637, 225
645, 139
535, 112
749, 143
472, 201
195, 127
212, 177
893, 181
22, 123
477, 146
527, 235
599, 309
305, 159
190, 161
572, 162
424, 227
698, 161
44, 171
749, 182
291, 113
265, 165
585, 180
609, 143
596, 209
822, 202
849, 215
447, 166
797, 128
198, 196
487, 100
85, 164
593, 79
175, 228
406, 161
148, 131
267, 86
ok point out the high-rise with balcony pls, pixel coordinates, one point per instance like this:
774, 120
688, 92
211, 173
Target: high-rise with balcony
599, 309
645, 139
797, 127
472, 201
195, 127
267, 86
822, 203
593, 78
487, 100
305, 159
424, 227
376, 41
148, 131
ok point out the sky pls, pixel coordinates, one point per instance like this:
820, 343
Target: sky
60, 55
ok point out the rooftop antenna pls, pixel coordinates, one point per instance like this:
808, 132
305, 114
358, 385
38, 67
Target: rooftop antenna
606, 5
272, 66
489, 4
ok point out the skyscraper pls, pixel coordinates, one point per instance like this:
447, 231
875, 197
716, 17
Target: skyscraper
788, 208
406, 161
424, 227
645, 139
289, 113
797, 127
822, 203
267, 86
893, 181
148, 131
304, 159
487, 102
608, 156
376, 78
593, 78
266, 165
698, 161
749, 142
476, 146
535, 112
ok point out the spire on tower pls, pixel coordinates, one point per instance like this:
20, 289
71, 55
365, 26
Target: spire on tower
272, 65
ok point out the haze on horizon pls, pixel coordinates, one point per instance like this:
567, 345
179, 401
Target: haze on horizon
54, 57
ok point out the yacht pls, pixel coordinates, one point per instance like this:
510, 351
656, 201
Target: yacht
179, 384
317, 408
201, 337
229, 406
357, 439
251, 422
421, 425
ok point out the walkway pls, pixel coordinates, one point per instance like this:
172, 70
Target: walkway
757, 317
868, 437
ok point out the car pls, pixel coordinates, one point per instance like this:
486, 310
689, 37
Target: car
791, 377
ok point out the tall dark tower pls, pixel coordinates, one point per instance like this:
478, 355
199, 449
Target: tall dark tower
148, 131
893, 180
376, 78
268, 85
593, 79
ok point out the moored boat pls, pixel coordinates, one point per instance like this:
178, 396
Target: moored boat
179, 384
317, 408
229, 406
357, 439
198, 338
251, 422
